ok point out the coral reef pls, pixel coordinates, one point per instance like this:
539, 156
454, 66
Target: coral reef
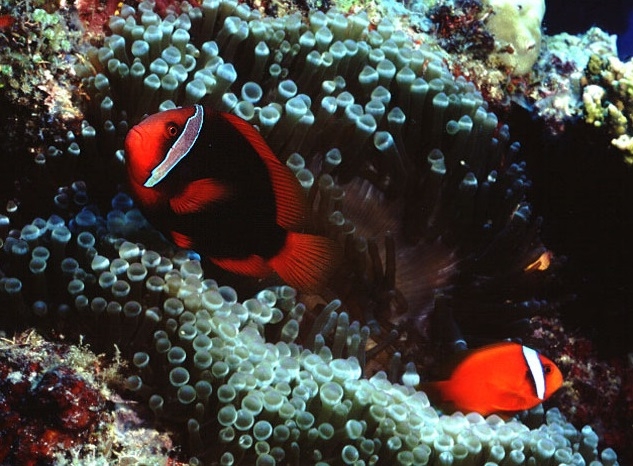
604, 384
58, 407
516, 26
608, 100
552, 90
36, 68
363, 118
48, 404
33, 56
557, 98
461, 29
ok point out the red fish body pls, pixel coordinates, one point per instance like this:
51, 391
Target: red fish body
210, 181
504, 377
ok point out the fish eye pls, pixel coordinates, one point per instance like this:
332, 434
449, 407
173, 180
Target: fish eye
547, 369
172, 129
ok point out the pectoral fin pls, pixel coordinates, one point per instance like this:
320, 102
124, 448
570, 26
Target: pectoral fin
197, 195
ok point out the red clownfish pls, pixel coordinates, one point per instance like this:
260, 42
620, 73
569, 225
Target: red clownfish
210, 181
503, 377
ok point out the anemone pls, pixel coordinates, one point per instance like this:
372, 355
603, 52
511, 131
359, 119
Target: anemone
414, 176
231, 376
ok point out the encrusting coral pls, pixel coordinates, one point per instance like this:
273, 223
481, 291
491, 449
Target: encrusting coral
47, 400
608, 100
36, 95
517, 25
363, 119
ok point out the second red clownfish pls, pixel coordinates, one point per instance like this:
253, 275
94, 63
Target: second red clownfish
210, 181
499, 378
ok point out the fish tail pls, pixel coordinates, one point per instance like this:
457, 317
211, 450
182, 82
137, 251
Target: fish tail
306, 261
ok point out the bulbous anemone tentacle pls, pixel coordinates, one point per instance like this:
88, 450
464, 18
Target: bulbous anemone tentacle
390, 142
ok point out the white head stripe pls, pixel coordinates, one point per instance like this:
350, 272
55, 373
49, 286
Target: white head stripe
180, 148
536, 369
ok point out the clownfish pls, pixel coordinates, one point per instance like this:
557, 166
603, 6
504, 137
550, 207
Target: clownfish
209, 181
503, 377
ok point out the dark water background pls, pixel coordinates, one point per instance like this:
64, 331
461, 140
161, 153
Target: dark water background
576, 16
584, 191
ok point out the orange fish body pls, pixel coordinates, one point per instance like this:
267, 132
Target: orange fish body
504, 377
209, 180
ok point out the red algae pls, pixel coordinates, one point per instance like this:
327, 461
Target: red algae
94, 14
67, 396
47, 405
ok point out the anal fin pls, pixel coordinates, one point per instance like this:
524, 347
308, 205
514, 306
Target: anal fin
252, 266
183, 241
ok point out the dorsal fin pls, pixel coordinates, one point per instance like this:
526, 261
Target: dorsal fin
290, 199
452, 362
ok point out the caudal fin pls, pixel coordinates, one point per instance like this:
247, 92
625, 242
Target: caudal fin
306, 261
